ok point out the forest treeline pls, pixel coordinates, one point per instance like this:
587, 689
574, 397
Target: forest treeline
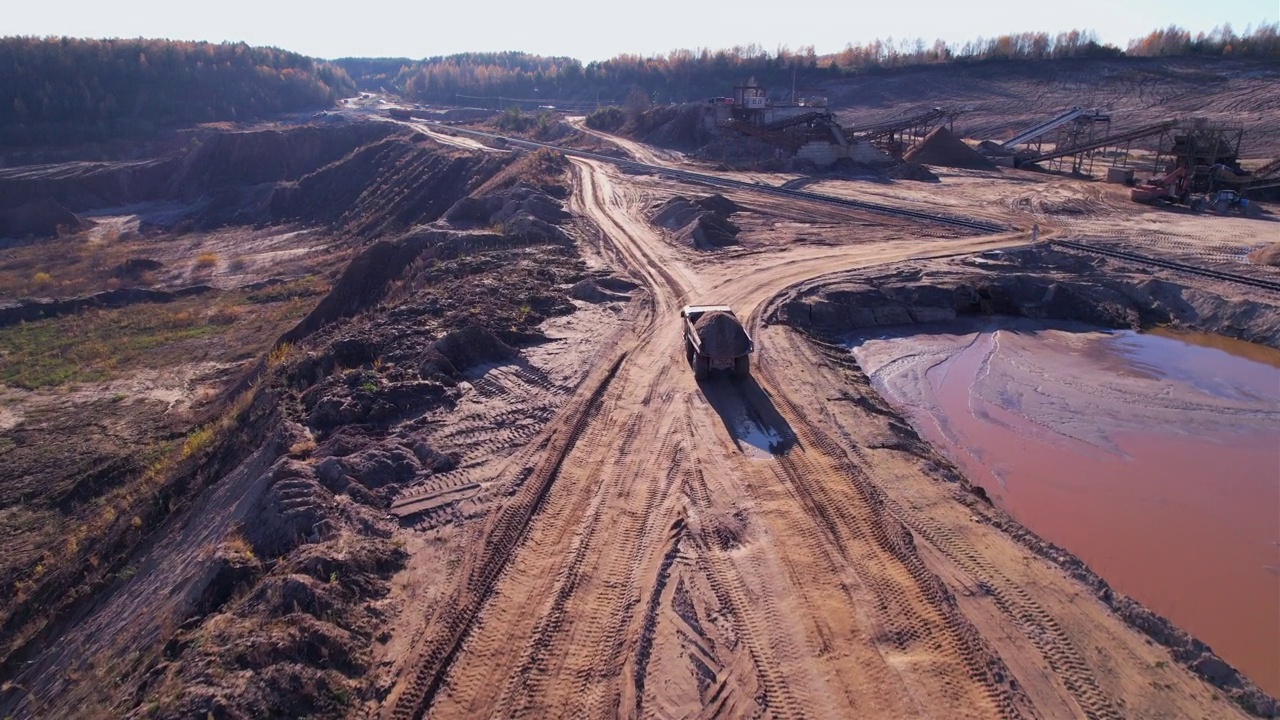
685, 75
63, 90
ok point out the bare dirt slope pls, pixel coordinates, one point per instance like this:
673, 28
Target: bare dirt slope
1004, 97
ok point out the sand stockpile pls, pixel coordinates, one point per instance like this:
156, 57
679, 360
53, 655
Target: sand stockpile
721, 335
942, 147
702, 223
1269, 255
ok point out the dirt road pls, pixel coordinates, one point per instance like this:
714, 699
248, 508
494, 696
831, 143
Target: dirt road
748, 548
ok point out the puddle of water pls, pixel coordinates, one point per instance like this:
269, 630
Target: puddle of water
755, 440
1153, 457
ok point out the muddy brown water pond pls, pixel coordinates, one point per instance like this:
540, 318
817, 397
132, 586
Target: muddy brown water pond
1154, 457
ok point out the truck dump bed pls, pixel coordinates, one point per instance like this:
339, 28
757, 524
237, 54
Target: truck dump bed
720, 336
715, 340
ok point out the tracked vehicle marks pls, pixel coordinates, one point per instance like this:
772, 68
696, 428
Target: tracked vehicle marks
1032, 620
668, 572
435, 649
506, 409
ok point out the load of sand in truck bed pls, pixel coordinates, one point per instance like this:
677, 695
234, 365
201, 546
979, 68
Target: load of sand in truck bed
721, 335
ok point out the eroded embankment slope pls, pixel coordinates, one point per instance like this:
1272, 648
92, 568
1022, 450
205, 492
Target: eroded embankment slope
248, 577
1040, 282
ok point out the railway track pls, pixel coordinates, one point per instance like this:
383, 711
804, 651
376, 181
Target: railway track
1264, 284
727, 183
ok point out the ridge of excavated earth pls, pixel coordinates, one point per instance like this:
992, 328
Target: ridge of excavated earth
480, 480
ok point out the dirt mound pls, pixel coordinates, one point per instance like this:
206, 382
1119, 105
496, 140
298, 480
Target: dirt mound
1269, 255
910, 171
942, 147
677, 212
991, 148
718, 204
722, 335
680, 127
505, 206
1029, 283
41, 218
133, 268
702, 223
605, 289
472, 346
384, 186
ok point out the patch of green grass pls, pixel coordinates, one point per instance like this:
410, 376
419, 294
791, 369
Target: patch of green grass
92, 345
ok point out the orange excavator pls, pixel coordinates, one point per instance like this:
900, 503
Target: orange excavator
1172, 187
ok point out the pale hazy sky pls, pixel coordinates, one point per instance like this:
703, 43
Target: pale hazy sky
595, 31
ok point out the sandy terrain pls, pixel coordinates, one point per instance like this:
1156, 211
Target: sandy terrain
578, 528
732, 549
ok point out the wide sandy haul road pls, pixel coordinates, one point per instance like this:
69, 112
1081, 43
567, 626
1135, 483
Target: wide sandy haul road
747, 548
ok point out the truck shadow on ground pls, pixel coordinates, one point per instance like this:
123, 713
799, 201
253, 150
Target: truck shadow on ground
748, 414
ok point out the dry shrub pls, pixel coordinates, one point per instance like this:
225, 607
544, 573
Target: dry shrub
303, 447
225, 315
181, 319
205, 261
199, 440
280, 354
41, 279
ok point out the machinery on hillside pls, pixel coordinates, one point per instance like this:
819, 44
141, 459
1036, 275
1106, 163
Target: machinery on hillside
1202, 170
1171, 187
1223, 202
714, 339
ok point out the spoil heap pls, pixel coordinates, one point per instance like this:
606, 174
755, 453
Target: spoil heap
721, 335
702, 223
942, 147
1268, 255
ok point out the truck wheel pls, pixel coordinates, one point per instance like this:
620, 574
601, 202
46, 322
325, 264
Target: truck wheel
742, 366
701, 367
